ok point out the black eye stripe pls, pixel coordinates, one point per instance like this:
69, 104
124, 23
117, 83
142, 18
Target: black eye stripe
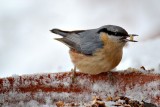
112, 33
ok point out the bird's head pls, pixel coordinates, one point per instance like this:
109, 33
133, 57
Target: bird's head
117, 34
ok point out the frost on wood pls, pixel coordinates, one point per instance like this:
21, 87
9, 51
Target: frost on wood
47, 89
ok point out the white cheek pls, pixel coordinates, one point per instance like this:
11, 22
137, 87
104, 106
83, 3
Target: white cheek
114, 38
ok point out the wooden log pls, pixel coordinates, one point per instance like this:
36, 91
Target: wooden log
53, 87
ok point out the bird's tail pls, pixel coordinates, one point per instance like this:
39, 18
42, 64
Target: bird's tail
60, 32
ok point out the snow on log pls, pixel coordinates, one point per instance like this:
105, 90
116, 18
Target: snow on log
50, 88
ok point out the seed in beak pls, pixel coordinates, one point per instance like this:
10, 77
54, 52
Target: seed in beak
131, 38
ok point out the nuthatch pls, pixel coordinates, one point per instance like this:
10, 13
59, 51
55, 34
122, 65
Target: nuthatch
96, 50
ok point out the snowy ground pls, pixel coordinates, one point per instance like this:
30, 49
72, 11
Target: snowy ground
26, 44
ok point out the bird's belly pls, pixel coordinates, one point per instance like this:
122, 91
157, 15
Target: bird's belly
101, 61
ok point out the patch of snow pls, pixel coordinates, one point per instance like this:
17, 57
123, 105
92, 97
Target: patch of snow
104, 89
145, 92
110, 104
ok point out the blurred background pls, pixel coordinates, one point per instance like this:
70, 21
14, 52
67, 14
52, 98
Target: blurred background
27, 45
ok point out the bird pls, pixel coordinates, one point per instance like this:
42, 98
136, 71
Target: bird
94, 51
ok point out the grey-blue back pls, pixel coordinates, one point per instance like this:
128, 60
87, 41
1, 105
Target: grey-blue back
83, 41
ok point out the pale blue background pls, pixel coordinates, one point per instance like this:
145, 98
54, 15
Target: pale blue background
26, 44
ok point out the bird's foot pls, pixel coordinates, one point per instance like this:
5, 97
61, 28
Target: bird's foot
112, 78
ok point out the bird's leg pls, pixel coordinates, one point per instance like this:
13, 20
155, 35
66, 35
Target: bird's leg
73, 74
112, 78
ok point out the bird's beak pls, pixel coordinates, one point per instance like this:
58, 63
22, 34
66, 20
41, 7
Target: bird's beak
130, 38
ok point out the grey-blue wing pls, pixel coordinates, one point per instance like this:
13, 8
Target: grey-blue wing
86, 42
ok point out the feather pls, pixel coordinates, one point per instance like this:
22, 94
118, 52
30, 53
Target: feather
65, 33
68, 43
